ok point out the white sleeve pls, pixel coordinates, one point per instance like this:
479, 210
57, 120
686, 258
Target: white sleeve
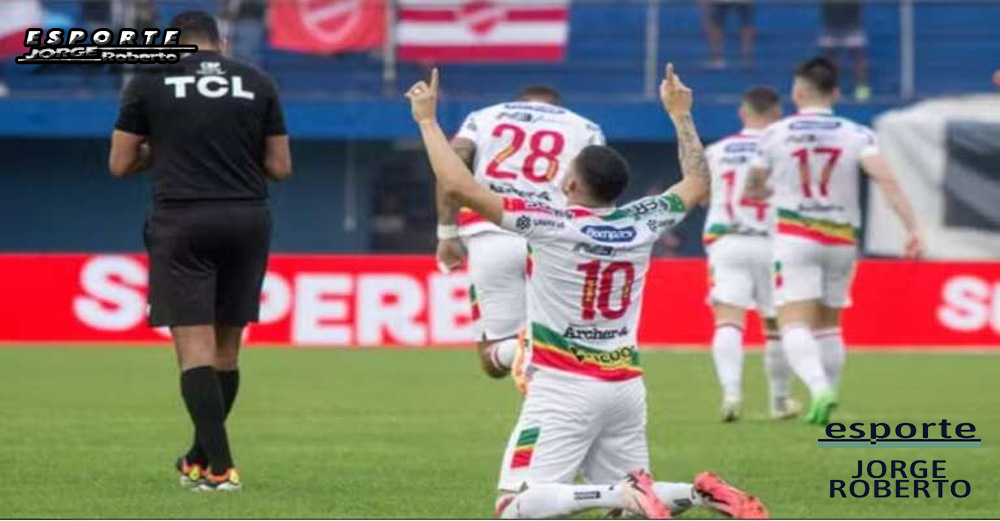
532, 220
470, 128
765, 149
869, 144
596, 135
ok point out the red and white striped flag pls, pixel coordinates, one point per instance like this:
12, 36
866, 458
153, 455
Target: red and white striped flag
326, 26
482, 30
16, 16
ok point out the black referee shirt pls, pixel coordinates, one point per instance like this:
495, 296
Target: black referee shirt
207, 119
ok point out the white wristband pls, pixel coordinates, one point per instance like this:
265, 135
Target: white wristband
447, 231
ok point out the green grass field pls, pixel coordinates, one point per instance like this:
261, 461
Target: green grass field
392, 433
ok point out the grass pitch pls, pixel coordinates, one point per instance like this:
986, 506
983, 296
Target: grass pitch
395, 433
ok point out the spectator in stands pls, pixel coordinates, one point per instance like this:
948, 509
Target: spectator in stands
245, 21
843, 29
715, 15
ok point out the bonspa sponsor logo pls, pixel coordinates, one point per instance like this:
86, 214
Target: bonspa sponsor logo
609, 233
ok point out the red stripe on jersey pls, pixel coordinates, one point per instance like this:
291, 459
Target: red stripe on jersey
516, 204
809, 233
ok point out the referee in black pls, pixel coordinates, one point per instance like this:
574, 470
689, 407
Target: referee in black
211, 131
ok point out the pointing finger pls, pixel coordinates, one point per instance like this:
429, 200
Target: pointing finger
669, 73
434, 80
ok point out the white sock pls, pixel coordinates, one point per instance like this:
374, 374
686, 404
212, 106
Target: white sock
558, 500
727, 351
678, 497
778, 370
832, 353
503, 352
803, 355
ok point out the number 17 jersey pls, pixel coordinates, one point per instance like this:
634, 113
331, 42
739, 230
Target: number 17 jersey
814, 158
523, 150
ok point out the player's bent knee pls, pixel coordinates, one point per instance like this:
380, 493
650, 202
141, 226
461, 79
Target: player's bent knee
488, 361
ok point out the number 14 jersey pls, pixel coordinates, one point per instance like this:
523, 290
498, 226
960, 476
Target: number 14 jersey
523, 150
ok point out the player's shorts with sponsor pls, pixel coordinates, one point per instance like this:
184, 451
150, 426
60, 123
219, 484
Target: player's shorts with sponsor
207, 262
808, 270
571, 424
497, 263
740, 272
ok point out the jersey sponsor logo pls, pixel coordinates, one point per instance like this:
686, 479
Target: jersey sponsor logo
740, 147
509, 189
594, 333
734, 159
604, 233
208, 68
594, 249
547, 109
211, 87
130, 46
522, 117
810, 124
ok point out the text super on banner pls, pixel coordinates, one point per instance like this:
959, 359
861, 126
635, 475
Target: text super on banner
333, 300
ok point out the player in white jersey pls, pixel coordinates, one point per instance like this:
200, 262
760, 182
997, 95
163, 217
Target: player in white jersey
737, 240
519, 149
585, 408
812, 159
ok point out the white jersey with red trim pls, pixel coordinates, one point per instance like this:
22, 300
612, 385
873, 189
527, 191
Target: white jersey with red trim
523, 150
814, 158
729, 213
586, 274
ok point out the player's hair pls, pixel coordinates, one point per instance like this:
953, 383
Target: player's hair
197, 26
761, 100
820, 73
603, 172
541, 93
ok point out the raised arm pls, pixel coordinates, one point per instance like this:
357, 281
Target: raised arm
677, 100
878, 170
450, 253
453, 176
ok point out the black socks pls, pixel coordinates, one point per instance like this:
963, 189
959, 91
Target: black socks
208, 403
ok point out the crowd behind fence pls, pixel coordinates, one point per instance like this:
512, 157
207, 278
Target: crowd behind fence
889, 49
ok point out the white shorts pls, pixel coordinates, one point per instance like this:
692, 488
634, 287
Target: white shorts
497, 273
572, 424
807, 270
740, 273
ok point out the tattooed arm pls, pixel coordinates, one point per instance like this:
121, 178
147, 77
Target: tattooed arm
677, 100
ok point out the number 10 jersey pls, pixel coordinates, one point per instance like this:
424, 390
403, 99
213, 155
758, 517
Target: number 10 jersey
523, 150
586, 272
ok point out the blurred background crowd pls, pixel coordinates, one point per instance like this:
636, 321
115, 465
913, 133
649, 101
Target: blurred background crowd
341, 66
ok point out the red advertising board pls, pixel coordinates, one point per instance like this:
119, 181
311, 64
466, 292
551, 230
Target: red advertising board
345, 300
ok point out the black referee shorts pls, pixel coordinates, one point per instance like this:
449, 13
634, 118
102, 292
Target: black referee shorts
207, 262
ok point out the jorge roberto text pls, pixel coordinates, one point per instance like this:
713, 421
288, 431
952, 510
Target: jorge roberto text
899, 479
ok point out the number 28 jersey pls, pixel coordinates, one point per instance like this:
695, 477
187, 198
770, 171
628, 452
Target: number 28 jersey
523, 150
814, 158
586, 272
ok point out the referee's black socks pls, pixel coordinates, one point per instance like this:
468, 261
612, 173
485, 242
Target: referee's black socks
229, 384
202, 392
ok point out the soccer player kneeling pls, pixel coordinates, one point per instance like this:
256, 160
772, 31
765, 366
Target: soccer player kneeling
585, 408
